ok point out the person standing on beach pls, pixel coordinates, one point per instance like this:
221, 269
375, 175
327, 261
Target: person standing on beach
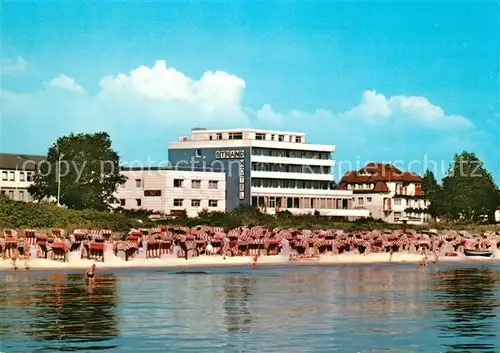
184, 249
209, 249
182, 246
424, 257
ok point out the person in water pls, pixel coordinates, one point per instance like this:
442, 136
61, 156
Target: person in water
26, 257
15, 255
90, 274
255, 259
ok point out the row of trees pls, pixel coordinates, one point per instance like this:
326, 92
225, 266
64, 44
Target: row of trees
467, 194
90, 175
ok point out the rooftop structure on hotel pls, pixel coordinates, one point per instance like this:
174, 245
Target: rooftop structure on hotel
276, 170
387, 192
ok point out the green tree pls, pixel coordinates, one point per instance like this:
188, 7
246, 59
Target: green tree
468, 192
89, 172
432, 192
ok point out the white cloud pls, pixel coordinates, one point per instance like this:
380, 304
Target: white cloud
376, 109
266, 114
214, 93
18, 65
67, 83
169, 95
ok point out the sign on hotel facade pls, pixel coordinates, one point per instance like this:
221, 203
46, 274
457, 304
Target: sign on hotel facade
233, 154
236, 154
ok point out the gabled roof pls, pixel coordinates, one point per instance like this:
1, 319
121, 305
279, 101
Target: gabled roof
380, 172
20, 161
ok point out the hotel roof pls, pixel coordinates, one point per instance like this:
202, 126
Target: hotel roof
20, 161
198, 130
379, 172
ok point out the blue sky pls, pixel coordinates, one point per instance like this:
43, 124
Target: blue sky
383, 81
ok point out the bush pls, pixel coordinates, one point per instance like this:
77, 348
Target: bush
17, 214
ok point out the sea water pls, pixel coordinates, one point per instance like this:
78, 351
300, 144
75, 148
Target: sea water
369, 308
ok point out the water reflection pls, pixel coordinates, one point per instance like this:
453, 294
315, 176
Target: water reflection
469, 298
383, 291
59, 308
238, 291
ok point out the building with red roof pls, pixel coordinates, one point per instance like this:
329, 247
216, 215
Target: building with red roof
388, 193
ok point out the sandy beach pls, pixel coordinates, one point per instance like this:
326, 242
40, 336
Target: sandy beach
113, 262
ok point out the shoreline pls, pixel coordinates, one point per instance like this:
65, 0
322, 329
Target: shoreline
219, 262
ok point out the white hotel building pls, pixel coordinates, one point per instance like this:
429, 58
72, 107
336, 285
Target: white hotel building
275, 170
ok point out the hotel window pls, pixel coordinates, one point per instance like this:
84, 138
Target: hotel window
196, 184
11, 194
138, 183
139, 202
21, 195
298, 139
218, 136
360, 201
22, 176
198, 153
12, 176
178, 202
260, 136
29, 176
397, 202
281, 138
195, 203
5, 176
236, 136
177, 183
368, 200
213, 184
212, 203
272, 137
122, 202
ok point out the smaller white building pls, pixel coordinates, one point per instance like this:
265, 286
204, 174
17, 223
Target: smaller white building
170, 192
16, 174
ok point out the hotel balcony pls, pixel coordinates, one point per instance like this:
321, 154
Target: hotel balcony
291, 160
300, 192
292, 176
338, 212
